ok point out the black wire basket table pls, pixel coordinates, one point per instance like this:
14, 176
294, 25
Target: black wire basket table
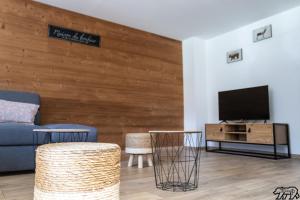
176, 159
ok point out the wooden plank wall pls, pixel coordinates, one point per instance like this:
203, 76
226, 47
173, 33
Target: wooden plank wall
133, 83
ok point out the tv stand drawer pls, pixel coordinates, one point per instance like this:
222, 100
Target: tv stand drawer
215, 132
260, 133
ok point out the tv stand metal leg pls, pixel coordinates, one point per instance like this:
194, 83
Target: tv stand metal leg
274, 143
288, 141
289, 151
275, 152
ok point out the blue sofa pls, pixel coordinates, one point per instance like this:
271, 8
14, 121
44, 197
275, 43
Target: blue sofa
17, 144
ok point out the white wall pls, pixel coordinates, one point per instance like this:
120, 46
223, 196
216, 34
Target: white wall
194, 73
274, 62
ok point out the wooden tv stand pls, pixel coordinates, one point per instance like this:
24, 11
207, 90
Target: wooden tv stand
269, 134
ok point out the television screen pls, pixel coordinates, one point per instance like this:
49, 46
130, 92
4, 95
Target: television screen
244, 104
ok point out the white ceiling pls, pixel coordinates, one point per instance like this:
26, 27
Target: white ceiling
179, 19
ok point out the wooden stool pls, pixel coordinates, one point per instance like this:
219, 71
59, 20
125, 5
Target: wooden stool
139, 144
81, 171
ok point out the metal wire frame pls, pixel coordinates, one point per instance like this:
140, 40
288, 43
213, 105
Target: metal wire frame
61, 137
176, 159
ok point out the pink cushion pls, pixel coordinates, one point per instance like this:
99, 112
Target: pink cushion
11, 111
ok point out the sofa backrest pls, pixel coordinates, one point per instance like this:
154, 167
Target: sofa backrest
24, 97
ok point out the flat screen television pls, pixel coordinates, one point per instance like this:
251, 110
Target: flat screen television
244, 104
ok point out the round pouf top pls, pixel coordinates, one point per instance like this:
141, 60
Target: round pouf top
138, 143
68, 171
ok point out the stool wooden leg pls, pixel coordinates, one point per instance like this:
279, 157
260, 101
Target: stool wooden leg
140, 161
130, 161
149, 157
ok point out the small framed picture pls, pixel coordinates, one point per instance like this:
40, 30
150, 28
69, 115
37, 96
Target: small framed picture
262, 33
235, 56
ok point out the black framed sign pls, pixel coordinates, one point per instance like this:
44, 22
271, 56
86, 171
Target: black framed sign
74, 36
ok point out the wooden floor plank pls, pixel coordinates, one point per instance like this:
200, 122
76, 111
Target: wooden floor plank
221, 177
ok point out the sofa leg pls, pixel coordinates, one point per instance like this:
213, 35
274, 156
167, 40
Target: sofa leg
140, 161
130, 161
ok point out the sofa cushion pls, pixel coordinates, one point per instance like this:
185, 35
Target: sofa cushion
19, 134
11, 111
25, 97
92, 137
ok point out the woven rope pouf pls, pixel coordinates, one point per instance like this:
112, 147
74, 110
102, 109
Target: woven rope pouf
77, 171
138, 144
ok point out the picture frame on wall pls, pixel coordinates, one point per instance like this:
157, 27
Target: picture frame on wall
234, 56
262, 33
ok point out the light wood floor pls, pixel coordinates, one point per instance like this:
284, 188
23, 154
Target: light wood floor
224, 177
